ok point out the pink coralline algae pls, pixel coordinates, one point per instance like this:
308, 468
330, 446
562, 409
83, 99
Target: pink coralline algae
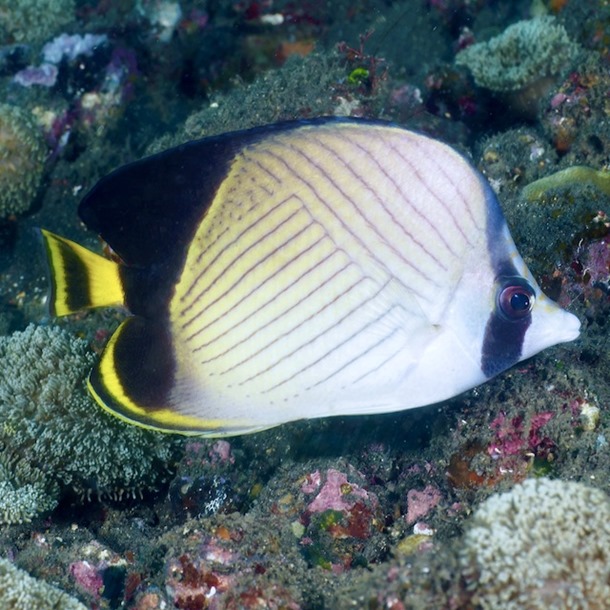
336, 493
516, 438
420, 503
339, 520
221, 452
88, 577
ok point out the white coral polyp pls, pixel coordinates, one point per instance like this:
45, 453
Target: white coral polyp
544, 544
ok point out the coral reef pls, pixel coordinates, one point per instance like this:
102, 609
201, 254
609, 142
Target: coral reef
34, 20
51, 429
524, 52
25, 495
339, 518
18, 590
361, 512
573, 115
551, 214
22, 157
544, 544
205, 481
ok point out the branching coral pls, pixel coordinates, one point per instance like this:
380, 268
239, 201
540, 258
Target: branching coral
54, 434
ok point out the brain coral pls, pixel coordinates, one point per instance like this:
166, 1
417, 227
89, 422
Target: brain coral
55, 438
22, 157
544, 544
18, 590
525, 51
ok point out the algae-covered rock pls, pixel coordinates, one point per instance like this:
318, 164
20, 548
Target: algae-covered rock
54, 435
303, 87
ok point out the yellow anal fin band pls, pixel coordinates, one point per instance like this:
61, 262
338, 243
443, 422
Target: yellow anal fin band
80, 279
135, 381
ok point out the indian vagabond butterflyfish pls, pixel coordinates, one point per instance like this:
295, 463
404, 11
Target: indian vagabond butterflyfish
300, 270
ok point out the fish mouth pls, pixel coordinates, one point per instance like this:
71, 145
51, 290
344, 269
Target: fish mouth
571, 329
565, 327
560, 327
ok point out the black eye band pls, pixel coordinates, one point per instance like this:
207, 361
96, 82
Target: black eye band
507, 325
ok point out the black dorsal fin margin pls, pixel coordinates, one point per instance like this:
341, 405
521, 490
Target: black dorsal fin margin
149, 210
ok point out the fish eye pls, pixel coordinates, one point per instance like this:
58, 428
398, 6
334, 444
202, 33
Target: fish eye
516, 300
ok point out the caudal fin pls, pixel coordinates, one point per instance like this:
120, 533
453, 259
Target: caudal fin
80, 279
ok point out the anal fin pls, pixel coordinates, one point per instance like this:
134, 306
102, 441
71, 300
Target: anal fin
137, 377
134, 378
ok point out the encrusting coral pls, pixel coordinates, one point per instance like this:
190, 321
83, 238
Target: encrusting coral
19, 590
544, 544
54, 437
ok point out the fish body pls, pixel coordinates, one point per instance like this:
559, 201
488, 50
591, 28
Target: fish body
301, 270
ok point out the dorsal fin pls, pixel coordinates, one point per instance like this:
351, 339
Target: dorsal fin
148, 211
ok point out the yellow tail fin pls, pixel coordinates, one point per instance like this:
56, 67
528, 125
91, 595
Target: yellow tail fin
80, 279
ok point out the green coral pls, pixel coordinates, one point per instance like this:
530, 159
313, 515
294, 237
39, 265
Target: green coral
33, 21
53, 433
22, 159
525, 51
544, 544
19, 590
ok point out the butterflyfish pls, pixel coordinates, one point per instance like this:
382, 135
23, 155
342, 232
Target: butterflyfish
300, 270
